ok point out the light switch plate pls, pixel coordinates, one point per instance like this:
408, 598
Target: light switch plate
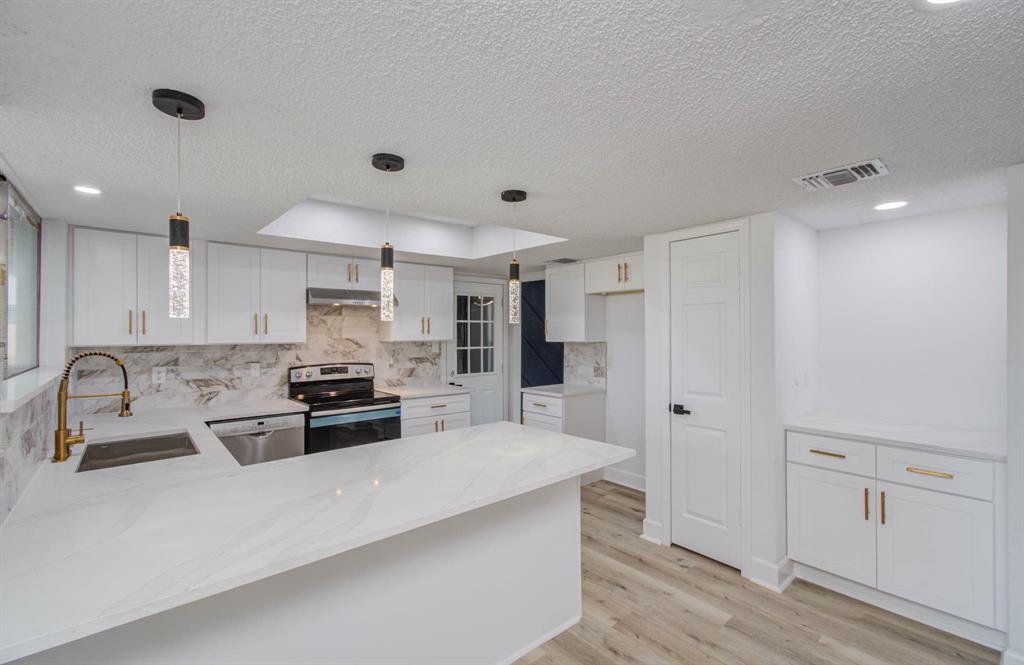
159, 374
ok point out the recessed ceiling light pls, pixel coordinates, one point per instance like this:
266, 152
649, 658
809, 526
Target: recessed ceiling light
85, 189
941, 2
890, 205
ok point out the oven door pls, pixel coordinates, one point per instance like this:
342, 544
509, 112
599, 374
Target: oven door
344, 428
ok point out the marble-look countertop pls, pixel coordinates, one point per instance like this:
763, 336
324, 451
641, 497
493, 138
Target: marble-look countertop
563, 390
85, 552
979, 444
435, 390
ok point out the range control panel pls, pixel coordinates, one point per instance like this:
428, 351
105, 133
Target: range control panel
331, 372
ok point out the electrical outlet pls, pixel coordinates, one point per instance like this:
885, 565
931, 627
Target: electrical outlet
254, 370
159, 374
800, 378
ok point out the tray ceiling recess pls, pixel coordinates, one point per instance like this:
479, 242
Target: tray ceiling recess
342, 224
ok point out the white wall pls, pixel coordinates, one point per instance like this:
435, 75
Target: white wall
624, 424
913, 319
1014, 654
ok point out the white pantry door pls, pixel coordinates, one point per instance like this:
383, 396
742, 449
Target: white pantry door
476, 355
705, 365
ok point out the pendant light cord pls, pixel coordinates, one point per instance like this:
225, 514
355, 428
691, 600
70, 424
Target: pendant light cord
387, 205
514, 227
179, 161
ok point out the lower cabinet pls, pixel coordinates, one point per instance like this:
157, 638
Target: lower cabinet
935, 548
426, 415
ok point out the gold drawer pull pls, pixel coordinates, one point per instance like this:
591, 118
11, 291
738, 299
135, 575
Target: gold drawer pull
619, 273
865, 504
625, 272
827, 453
883, 507
928, 472
543, 406
438, 406
357, 273
143, 322
129, 322
266, 324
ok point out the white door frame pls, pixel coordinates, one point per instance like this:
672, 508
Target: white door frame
657, 525
484, 279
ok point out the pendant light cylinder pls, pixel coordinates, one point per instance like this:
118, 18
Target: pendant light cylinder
387, 282
515, 294
178, 268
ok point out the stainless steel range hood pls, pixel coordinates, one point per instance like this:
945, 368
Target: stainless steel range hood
319, 296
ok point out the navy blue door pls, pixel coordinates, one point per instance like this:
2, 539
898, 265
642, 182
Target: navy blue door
541, 360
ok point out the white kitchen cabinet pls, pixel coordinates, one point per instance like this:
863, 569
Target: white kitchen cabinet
282, 296
255, 295
541, 421
155, 324
105, 285
831, 523
425, 300
576, 410
573, 315
614, 274
426, 415
937, 549
339, 272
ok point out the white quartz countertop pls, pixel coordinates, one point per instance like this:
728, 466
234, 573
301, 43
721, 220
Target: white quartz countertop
563, 390
84, 552
436, 390
980, 444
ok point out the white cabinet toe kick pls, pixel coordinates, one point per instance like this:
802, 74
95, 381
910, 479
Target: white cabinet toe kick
918, 533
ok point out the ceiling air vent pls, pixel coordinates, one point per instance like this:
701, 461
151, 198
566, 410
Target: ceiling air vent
843, 175
564, 260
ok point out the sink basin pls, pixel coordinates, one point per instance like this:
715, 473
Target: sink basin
136, 451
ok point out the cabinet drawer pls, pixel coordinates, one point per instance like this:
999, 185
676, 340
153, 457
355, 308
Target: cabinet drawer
934, 471
424, 407
542, 422
829, 453
548, 406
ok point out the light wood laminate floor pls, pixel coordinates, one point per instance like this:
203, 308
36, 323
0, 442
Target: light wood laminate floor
643, 603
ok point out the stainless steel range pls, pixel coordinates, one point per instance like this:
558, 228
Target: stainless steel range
344, 408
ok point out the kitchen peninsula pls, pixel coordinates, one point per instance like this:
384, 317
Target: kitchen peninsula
460, 546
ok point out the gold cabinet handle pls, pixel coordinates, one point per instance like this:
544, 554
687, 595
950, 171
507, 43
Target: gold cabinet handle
442, 424
929, 472
357, 273
625, 272
143, 322
827, 453
436, 427
438, 406
883, 508
428, 325
618, 272
865, 504
545, 327
129, 322
350, 272
266, 324
543, 406
256, 324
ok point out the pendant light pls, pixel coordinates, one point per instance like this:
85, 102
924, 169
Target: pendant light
389, 164
181, 106
515, 287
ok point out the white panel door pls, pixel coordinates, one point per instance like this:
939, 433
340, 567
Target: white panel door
155, 324
439, 285
938, 550
705, 366
475, 357
831, 521
283, 296
105, 288
232, 294
410, 317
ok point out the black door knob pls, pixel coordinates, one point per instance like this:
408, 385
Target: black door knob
680, 410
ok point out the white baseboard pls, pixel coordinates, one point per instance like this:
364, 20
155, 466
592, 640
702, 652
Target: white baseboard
550, 635
1012, 657
990, 637
773, 576
625, 478
652, 532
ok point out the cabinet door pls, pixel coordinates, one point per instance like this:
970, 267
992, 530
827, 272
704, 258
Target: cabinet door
455, 421
633, 272
282, 296
542, 422
417, 426
365, 274
105, 288
410, 318
327, 272
439, 283
831, 521
155, 325
604, 276
232, 294
566, 303
938, 550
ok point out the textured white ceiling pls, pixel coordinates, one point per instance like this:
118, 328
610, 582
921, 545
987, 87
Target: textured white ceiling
619, 118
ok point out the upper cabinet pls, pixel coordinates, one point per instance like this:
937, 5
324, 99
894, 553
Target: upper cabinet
424, 308
615, 274
255, 295
120, 291
573, 315
339, 272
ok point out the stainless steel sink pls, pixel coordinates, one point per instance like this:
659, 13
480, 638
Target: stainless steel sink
136, 451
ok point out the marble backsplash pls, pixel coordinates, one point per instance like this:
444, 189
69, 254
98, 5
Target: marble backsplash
198, 375
24, 445
585, 364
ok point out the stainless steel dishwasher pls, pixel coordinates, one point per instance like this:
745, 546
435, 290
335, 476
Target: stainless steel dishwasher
262, 439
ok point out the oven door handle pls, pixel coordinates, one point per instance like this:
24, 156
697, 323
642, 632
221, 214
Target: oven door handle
360, 416
353, 409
